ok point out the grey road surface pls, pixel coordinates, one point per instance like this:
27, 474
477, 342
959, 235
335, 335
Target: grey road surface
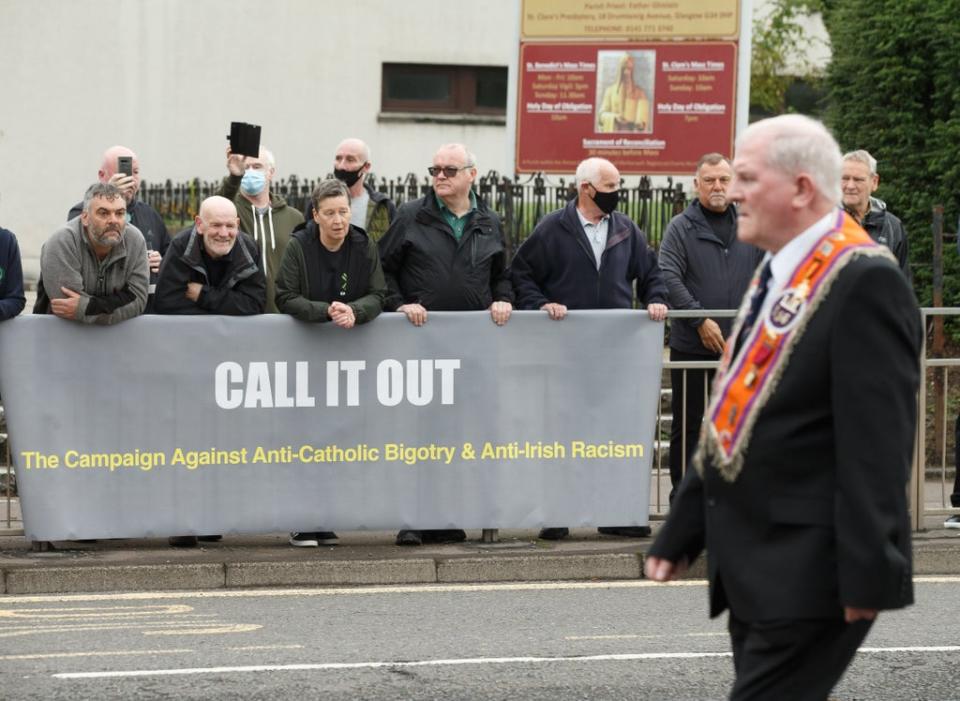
614, 640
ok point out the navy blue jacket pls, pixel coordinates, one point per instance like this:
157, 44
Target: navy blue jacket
11, 276
556, 264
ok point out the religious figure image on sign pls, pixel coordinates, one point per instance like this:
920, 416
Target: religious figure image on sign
625, 91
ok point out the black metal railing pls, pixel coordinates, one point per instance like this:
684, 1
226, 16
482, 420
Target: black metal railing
521, 201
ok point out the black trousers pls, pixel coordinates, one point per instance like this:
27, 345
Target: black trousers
684, 434
798, 660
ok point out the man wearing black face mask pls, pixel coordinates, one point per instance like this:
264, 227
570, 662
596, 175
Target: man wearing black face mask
588, 256
371, 210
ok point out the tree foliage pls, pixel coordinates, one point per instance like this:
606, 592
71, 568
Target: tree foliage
893, 88
779, 43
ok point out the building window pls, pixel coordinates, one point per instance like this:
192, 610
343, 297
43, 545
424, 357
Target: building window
431, 88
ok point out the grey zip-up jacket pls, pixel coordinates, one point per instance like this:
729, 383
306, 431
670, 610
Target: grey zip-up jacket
703, 273
886, 228
68, 260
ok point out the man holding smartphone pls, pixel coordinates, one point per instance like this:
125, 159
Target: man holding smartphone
121, 168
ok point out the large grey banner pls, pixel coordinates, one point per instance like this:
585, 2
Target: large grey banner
193, 425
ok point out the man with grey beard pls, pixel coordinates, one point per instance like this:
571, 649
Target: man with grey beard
94, 270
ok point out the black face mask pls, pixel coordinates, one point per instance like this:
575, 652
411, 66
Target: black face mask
348, 177
606, 201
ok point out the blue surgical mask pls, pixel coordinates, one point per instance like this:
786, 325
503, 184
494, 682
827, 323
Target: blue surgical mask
253, 182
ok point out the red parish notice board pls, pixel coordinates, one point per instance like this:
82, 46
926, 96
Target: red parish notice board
651, 108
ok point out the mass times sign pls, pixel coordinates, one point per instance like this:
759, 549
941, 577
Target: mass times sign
651, 107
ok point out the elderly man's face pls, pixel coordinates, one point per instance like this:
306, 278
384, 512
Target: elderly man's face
349, 156
712, 183
763, 195
858, 184
218, 226
105, 220
457, 185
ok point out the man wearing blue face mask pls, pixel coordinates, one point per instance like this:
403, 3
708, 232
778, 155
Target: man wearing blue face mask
589, 256
263, 214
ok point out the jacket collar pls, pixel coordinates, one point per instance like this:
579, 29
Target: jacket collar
618, 229
429, 212
697, 221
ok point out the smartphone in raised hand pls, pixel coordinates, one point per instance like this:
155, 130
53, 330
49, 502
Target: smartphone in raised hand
125, 165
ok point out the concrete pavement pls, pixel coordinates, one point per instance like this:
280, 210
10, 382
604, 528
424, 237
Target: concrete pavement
360, 558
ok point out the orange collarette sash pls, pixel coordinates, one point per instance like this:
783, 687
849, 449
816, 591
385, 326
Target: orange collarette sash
744, 382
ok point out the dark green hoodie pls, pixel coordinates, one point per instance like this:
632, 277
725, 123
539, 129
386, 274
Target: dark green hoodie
271, 230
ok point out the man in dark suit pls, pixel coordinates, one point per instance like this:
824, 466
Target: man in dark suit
799, 491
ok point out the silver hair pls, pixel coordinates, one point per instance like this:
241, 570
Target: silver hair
589, 170
104, 190
800, 144
862, 156
267, 155
471, 161
331, 187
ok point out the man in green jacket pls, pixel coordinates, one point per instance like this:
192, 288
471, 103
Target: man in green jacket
263, 214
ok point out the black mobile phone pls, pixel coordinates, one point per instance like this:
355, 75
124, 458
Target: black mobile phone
125, 165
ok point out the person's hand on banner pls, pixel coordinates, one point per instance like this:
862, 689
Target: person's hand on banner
657, 312
342, 315
416, 313
500, 312
66, 306
555, 311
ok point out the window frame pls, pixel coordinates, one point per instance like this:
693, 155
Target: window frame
462, 80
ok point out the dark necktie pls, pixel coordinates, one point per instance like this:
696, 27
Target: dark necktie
755, 304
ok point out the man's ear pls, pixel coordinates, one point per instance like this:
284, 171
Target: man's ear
876, 183
806, 191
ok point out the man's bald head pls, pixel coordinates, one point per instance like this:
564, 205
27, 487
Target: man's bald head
357, 147
218, 225
109, 167
217, 205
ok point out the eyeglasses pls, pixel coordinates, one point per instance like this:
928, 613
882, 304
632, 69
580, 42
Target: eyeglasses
448, 171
